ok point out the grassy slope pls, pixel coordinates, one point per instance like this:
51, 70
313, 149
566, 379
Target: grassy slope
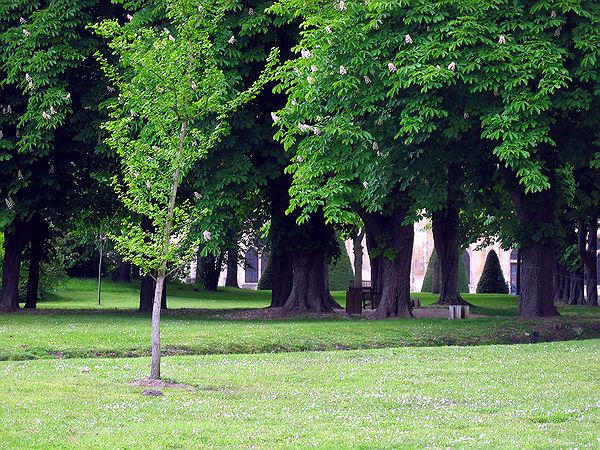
543, 396
76, 333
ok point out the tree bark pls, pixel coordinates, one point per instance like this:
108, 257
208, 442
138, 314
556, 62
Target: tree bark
36, 252
390, 246
309, 283
436, 276
519, 260
445, 238
199, 276
211, 272
536, 277
15, 240
282, 276
358, 257
232, 268
146, 293
590, 263
123, 272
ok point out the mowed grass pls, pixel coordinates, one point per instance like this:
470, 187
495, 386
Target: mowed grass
519, 396
71, 326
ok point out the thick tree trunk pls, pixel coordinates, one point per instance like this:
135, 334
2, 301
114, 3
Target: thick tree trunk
390, 247
210, 276
36, 252
536, 277
232, 268
436, 276
282, 276
123, 272
575, 296
395, 294
15, 240
590, 263
199, 275
146, 293
445, 238
309, 283
358, 257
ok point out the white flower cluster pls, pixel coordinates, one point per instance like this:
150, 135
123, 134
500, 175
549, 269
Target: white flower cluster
305, 53
304, 128
341, 5
29, 81
343, 70
231, 40
408, 39
391, 67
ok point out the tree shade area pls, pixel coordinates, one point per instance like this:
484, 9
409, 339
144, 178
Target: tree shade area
186, 178
492, 279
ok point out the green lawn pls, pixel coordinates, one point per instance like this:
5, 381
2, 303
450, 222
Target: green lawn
519, 396
68, 326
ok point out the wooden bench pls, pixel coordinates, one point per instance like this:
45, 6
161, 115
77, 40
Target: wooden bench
361, 297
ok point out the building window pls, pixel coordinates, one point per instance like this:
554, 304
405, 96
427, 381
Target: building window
251, 266
514, 254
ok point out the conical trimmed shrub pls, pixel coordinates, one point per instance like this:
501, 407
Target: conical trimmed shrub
266, 279
492, 279
341, 274
463, 282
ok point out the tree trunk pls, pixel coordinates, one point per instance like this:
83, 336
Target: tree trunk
436, 275
309, 283
590, 263
445, 238
123, 271
390, 247
156, 307
282, 276
146, 293
199, 276
232, 268
575, 289
358, 257
536, 277
15, 240
36, 252
395, 294
211, 274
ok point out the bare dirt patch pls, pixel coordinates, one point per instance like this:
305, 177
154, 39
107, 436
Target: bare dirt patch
161, 384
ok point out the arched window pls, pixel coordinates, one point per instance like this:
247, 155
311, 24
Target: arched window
468, 266
251, 266
514, 254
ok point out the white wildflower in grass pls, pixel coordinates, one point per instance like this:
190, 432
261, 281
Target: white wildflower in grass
45, 115
10, 203
250, 11
231, 40
375, 146
328, 29
26, 32
129, 17
367, 80
341, 5
502, 39
22, 20
206, 235
316, 131
304, 127
392, 67
408, 39
343, 70
313, 68
310, 80
171, 38
305, 53
452, 66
